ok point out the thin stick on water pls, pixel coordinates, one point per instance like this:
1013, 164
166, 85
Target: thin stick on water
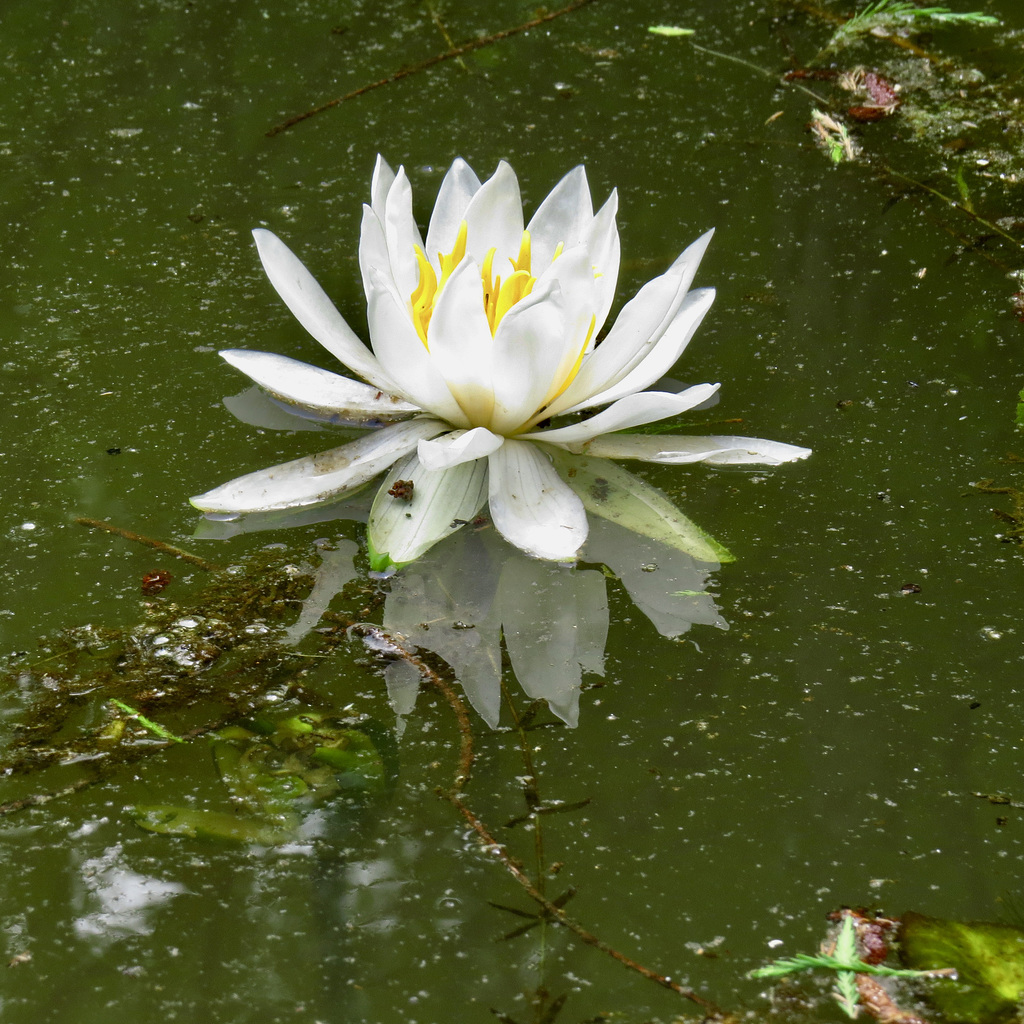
452, 54
138, 538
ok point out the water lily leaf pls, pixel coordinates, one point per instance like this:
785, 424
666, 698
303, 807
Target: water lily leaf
185, 822
988, 958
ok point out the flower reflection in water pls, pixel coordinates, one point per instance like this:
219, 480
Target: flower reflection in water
465, 596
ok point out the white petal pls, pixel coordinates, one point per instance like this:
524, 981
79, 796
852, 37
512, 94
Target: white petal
373, 249
458, 188
639, 326
495, 218
320, 391
534, 348
631, 411
399, 347
603, 244
531, 506
717, 450
380, 184
317, 478
564, 217
457, 447
440, 502
402, 235
461, 346
663, 355
314, 310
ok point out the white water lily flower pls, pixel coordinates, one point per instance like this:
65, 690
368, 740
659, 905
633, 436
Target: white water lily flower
479, 337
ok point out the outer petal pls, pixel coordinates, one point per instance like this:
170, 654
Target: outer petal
564, 217
495, 217
457, 447
314, 310
531, 506
380, 184
603, 245
638, 328
663, 355
441, 502
317, 478
399, 347
458, 188
319, 391
631, 411
672, 450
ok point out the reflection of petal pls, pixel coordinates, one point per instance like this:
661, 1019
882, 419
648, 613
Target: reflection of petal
543, 611
258, 409
443, 603
665, 584
335, 570
125, 897
402, 679
356, 507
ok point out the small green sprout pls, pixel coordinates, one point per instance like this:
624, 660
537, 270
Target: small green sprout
833, 137
888, 14
845, 962
146, 723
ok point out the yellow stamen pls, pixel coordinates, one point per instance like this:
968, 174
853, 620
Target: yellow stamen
517, 287
422, 298
571, 375
454, 258
523, 260
499, 296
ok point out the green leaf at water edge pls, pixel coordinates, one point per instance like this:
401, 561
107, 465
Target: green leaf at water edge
609, 491
988, 958
1020, 409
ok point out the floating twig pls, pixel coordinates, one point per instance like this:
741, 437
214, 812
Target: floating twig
452, 54
170, 549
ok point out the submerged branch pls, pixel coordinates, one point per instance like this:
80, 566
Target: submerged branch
138, 538
452, 54
557, 913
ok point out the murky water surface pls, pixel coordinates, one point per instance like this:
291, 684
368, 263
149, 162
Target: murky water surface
822, 751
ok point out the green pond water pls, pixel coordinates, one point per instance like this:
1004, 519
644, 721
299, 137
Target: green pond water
823, 750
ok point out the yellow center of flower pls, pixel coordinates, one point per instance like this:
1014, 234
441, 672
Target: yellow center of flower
499, 295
